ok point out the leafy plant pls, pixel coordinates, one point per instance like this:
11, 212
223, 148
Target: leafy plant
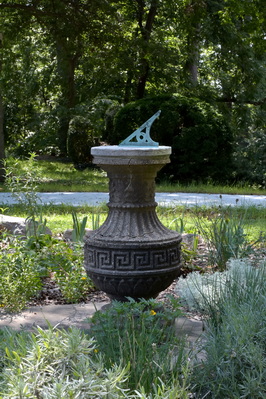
225, 237
58, 364
79, 228
24, 265
20, 278
23, 184
66, 266
141, 334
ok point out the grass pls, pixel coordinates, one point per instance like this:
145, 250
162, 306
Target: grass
210, 188
62, 176
59, 217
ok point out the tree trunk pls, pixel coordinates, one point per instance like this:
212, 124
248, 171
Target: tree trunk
143, 79
66, 65
191, 66
2, 141
146, 34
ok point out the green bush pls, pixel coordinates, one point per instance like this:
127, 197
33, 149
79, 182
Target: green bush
79, 142
250, 158
199, 136
23, 268
20, 278
142, 334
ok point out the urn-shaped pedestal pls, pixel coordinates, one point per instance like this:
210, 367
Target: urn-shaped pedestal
132, 254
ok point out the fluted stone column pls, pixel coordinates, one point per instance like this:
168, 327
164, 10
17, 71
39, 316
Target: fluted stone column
132, 254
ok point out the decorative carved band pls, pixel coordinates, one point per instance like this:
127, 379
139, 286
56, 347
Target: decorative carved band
132, 259
121, 287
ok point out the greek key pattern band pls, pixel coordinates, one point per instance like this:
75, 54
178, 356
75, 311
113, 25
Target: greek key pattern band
128, 259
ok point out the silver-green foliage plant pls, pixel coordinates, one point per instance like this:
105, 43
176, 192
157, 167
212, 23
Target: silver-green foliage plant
235, 337
202, 292
56, 364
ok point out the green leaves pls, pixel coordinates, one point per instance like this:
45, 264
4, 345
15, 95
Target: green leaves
141, 334
56, 364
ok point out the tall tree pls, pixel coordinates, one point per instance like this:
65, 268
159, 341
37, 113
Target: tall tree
2, 141
65, 22
145, 24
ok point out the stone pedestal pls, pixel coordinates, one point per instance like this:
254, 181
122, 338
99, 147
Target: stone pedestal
132, 254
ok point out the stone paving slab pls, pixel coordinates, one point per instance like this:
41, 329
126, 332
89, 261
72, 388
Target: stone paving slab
64, 316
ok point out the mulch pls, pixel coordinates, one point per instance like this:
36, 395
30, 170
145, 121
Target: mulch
51, 294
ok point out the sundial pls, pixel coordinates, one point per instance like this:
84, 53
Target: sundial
141, 136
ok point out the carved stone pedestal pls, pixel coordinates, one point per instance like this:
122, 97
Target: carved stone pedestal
132, 254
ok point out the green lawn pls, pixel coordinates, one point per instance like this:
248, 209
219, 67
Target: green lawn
62, 176
59, 217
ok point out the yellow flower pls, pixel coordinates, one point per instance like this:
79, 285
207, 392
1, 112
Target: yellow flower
83, 278
96, 350
152, 313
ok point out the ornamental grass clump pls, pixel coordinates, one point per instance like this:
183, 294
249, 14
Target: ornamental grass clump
142, 335
224, 236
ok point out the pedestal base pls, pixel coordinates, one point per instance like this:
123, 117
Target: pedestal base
132, 254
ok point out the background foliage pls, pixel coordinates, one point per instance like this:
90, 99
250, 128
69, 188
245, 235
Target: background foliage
63, 59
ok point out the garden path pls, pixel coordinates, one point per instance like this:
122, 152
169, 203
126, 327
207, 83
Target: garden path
163, 199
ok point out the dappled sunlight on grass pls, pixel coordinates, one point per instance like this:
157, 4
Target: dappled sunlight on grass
59, 216
210, 188
62, 176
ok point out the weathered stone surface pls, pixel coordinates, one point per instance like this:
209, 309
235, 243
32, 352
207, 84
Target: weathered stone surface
132, 254
126, 156
16, 225
189, 238
67, 235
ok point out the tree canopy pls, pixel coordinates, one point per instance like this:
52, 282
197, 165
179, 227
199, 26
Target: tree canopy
66, 58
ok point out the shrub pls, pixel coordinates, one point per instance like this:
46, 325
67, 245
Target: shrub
24, 266
79, 142
199, 136
234, 302
20, 279
250, 158
142, 334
